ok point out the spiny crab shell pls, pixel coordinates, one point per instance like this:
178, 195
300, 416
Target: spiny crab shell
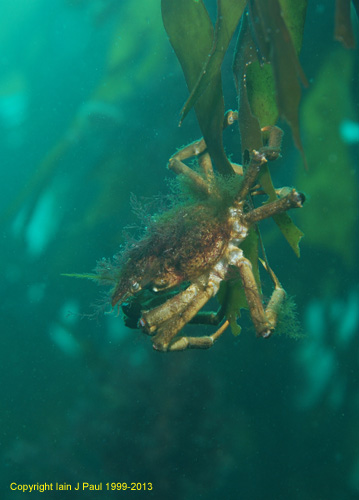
179, 247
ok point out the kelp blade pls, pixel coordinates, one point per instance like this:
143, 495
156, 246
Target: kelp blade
229, 14
258, 95
272, 73
191, 34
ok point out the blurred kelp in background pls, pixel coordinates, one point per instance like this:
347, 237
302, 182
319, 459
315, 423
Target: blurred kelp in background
329, 117
90, 94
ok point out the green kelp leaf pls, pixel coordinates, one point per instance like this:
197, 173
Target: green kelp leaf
258, 108
294, 13
262, 94
248, 122
231, 295
191, 34
235, 302
265, 180
229, 14
343, 31
266, 61
235, 328
290, 231
272, 31
332, 221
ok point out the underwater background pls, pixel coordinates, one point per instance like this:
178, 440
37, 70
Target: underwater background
90, 94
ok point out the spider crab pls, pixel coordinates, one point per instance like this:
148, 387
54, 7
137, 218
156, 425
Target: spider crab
188, 251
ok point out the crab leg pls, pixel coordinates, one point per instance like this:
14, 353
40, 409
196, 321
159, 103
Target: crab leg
198, 148
180, 168
251, 174
260, 321
211, 318
274, 305
204, 342
291, 200
264, 320
152, 319
272, 137
193, 149
208, 318
169, 329
205, 163
277, 298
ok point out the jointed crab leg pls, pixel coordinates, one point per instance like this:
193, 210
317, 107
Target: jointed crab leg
251, 174
204, 342
291, 200
274, 305
180, 168
258, 158
205, 163
193, 149
278, 296
168, 330
264, 321
205, 289
152, 319
262, 324
198, 148
209, 317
